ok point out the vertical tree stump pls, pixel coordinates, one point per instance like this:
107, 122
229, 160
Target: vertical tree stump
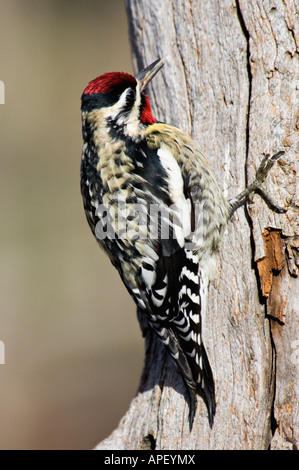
231, 81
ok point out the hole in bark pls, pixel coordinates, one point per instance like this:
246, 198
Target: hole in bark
148, 443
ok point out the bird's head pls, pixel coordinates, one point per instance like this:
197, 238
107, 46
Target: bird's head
120, 100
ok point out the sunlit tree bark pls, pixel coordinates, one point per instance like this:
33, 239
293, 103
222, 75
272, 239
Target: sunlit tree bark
231, 82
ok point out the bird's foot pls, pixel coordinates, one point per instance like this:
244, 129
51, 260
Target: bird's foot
257, 186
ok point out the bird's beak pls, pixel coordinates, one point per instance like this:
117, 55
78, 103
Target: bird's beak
146, 75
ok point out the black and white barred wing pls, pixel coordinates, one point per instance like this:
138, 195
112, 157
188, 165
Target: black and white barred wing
171, 291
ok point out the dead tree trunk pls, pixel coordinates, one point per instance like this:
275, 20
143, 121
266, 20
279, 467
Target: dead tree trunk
231, 81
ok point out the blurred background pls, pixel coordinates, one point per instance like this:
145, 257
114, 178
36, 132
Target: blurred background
73, 348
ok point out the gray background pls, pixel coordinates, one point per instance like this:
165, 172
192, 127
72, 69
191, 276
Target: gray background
73, 347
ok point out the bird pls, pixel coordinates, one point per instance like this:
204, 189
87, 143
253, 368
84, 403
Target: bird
153, 203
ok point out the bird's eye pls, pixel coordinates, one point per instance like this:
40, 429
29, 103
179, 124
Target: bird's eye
131, 95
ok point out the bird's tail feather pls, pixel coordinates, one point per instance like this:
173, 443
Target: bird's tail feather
207, 388
204, 388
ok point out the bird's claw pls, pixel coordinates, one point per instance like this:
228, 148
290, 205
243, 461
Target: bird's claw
266, 165
256, 187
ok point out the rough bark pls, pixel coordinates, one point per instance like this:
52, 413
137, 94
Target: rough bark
232, 82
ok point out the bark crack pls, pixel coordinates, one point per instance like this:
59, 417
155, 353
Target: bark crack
249, 73
273, 422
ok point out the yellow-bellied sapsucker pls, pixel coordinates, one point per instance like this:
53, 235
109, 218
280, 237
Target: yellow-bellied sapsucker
153, 203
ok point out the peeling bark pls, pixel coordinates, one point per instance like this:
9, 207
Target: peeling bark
273, 261
231, 82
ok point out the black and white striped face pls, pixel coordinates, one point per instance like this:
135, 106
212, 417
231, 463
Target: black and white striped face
126, 112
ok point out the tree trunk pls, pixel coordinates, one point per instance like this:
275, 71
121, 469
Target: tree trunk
231, 81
